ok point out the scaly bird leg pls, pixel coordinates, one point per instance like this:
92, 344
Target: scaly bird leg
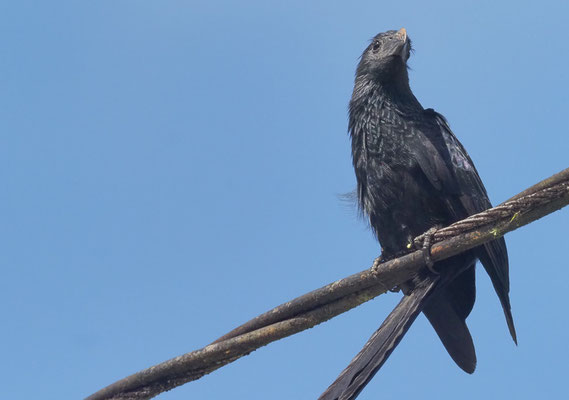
423, 243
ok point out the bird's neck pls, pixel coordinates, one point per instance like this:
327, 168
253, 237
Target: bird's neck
394, 92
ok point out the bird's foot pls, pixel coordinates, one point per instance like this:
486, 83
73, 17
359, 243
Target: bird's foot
374, 270
376, 263
423, 243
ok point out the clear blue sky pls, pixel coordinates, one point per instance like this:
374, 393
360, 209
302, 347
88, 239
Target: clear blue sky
170, 169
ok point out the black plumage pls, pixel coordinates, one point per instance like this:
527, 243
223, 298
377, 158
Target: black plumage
413, 174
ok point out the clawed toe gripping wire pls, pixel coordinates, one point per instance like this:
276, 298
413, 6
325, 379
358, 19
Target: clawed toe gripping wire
423, 242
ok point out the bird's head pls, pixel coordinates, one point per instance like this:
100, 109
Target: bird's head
386, 56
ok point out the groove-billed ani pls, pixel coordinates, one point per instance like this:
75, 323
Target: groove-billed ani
413, 174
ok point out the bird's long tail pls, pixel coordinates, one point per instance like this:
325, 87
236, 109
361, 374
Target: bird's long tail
380, 345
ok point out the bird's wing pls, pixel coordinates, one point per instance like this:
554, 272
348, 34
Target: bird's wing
449, 168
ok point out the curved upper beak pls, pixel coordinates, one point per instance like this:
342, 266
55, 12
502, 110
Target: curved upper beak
404, 49
402, 33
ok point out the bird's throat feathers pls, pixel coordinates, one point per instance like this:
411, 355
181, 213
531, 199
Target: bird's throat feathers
393, 88
370, 95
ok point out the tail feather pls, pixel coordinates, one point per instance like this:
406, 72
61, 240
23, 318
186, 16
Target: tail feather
453, 332
381, 344
447, 310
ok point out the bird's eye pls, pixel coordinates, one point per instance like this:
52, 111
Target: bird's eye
376, 45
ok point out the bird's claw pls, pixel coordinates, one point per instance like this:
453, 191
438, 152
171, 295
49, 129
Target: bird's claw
423, 243
374, 269
376, 263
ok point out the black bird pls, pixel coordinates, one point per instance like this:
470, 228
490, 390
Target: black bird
413, 174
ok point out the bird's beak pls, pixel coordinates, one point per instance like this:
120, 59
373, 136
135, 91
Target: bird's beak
402, 33
403, 51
